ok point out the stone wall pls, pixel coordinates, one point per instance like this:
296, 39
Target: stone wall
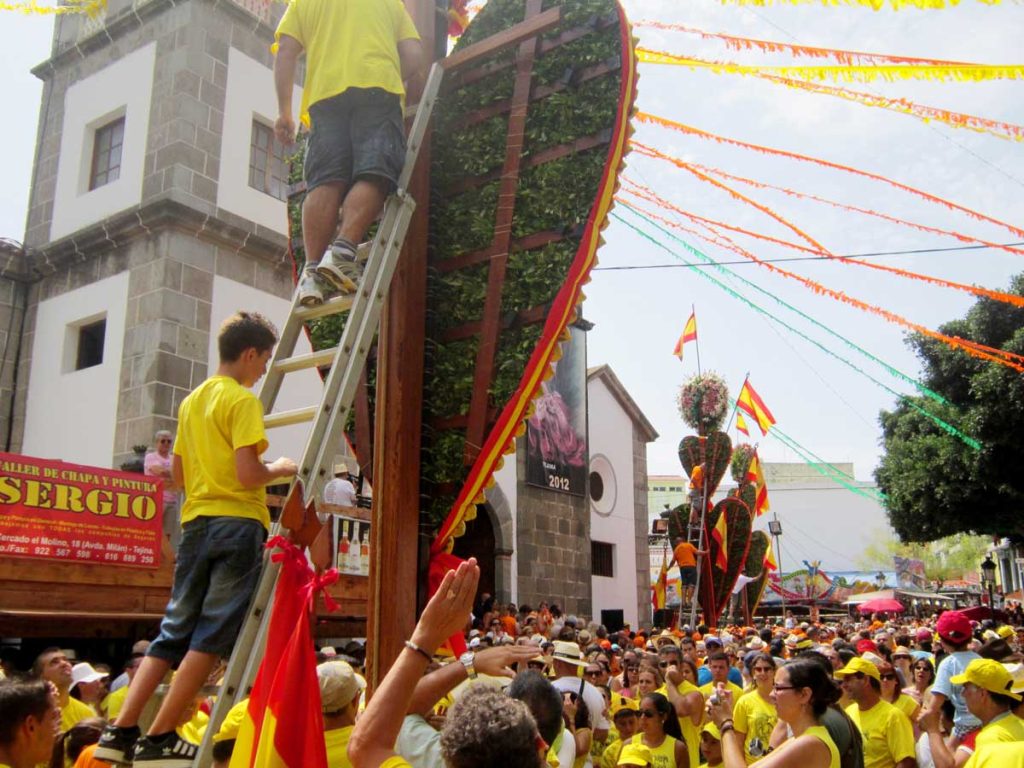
14, 291
552, 546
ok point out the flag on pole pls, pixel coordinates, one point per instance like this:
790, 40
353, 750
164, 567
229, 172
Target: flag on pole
769, 559
689, 334
741, 424
720, 534
751, 403
283, 724
755, 476
660, 589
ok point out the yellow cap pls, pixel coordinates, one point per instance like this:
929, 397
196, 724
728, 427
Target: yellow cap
635, 754
987, 674
232, 721
1005, 631
863, 666
712, 730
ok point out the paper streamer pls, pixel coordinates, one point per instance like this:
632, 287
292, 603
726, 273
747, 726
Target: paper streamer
826, 470
981, 351
877, 5
945, 426
858, 73
647, 117
1000, 296
34, 8
837, 55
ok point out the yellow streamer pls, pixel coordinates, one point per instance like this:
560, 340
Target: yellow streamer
850, 74
876, 5
33, 7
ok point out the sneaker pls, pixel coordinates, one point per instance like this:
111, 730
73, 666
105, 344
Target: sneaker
115, 745
340, 270
312, 290
169, 751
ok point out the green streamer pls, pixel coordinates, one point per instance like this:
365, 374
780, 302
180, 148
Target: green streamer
820, 466
945, 426
893, 371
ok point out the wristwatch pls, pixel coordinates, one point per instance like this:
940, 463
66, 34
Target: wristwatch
467, 661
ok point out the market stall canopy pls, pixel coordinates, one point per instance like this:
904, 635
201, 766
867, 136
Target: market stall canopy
881, 605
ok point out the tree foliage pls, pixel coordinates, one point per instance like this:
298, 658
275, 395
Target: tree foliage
935, 485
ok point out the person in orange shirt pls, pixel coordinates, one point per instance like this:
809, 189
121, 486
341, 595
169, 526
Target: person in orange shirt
685, 555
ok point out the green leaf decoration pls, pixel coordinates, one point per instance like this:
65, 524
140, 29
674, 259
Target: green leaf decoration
741, 456
759, 543
738, 526
714, 451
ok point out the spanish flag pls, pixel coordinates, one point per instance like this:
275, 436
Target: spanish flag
689, 334
720, 534
751, 403
755, 476
660, 589
769, 559
283, 726
741, 424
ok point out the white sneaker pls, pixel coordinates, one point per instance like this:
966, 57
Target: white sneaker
311, 289
340, 271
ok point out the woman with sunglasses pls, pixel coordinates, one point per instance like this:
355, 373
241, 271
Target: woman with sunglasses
892, 691
921, 684
802, 692
660, 732
754, 714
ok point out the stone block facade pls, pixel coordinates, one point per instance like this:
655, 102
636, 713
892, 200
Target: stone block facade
552, 545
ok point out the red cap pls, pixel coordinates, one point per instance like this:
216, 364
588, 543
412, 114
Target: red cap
954, 627
924, 634
863, 646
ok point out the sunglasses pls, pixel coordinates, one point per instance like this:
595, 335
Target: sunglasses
648, 713
887, 677
778, 688
592, 672
764, 669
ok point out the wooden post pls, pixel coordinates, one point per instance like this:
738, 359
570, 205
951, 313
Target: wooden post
396, 460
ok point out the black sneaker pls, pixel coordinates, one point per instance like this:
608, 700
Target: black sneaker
115, 745
170, 751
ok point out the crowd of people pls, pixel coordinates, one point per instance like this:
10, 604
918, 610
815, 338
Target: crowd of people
537, 687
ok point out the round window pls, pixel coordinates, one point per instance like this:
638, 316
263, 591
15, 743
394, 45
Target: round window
596, 486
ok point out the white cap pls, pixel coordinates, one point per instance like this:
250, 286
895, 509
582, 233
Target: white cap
339, 685
84, 673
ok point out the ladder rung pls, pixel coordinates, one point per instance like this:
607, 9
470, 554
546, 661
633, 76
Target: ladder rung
308, 360
286, 418
329, 307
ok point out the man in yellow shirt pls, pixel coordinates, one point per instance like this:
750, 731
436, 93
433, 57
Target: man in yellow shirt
989, 696
339, 698
52, 665
888, 734
718, 665
218, 461
358, 53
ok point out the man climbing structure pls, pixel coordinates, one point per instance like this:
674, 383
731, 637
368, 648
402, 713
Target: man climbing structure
358, 53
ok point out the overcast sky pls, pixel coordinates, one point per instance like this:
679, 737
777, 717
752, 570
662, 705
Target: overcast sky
817, 400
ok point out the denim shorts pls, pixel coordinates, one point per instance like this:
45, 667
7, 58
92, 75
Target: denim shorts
356, 134
218, 567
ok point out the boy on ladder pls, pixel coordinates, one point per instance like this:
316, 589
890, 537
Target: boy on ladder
224, 526
358, 53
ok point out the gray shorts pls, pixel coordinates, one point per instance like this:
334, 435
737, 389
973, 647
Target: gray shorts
357, 134
218, 567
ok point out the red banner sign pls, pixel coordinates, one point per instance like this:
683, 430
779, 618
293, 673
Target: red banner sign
52, 510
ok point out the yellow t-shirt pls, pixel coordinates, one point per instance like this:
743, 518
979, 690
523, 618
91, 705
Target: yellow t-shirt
1006, 727
114, 701
610, 756
218, 418
888, 734
906, 705
337, 747
395, 762
74, 712
756, 718
708, 688
662, 756
820, 732
998, 755
351, 44
691, 732
193, 730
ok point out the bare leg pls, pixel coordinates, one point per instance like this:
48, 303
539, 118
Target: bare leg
320, 219
151, 672
187, 682
363, 204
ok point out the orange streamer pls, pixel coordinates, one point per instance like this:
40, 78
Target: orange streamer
974, 349
847, 58
645, 193
866, 211
647, 117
